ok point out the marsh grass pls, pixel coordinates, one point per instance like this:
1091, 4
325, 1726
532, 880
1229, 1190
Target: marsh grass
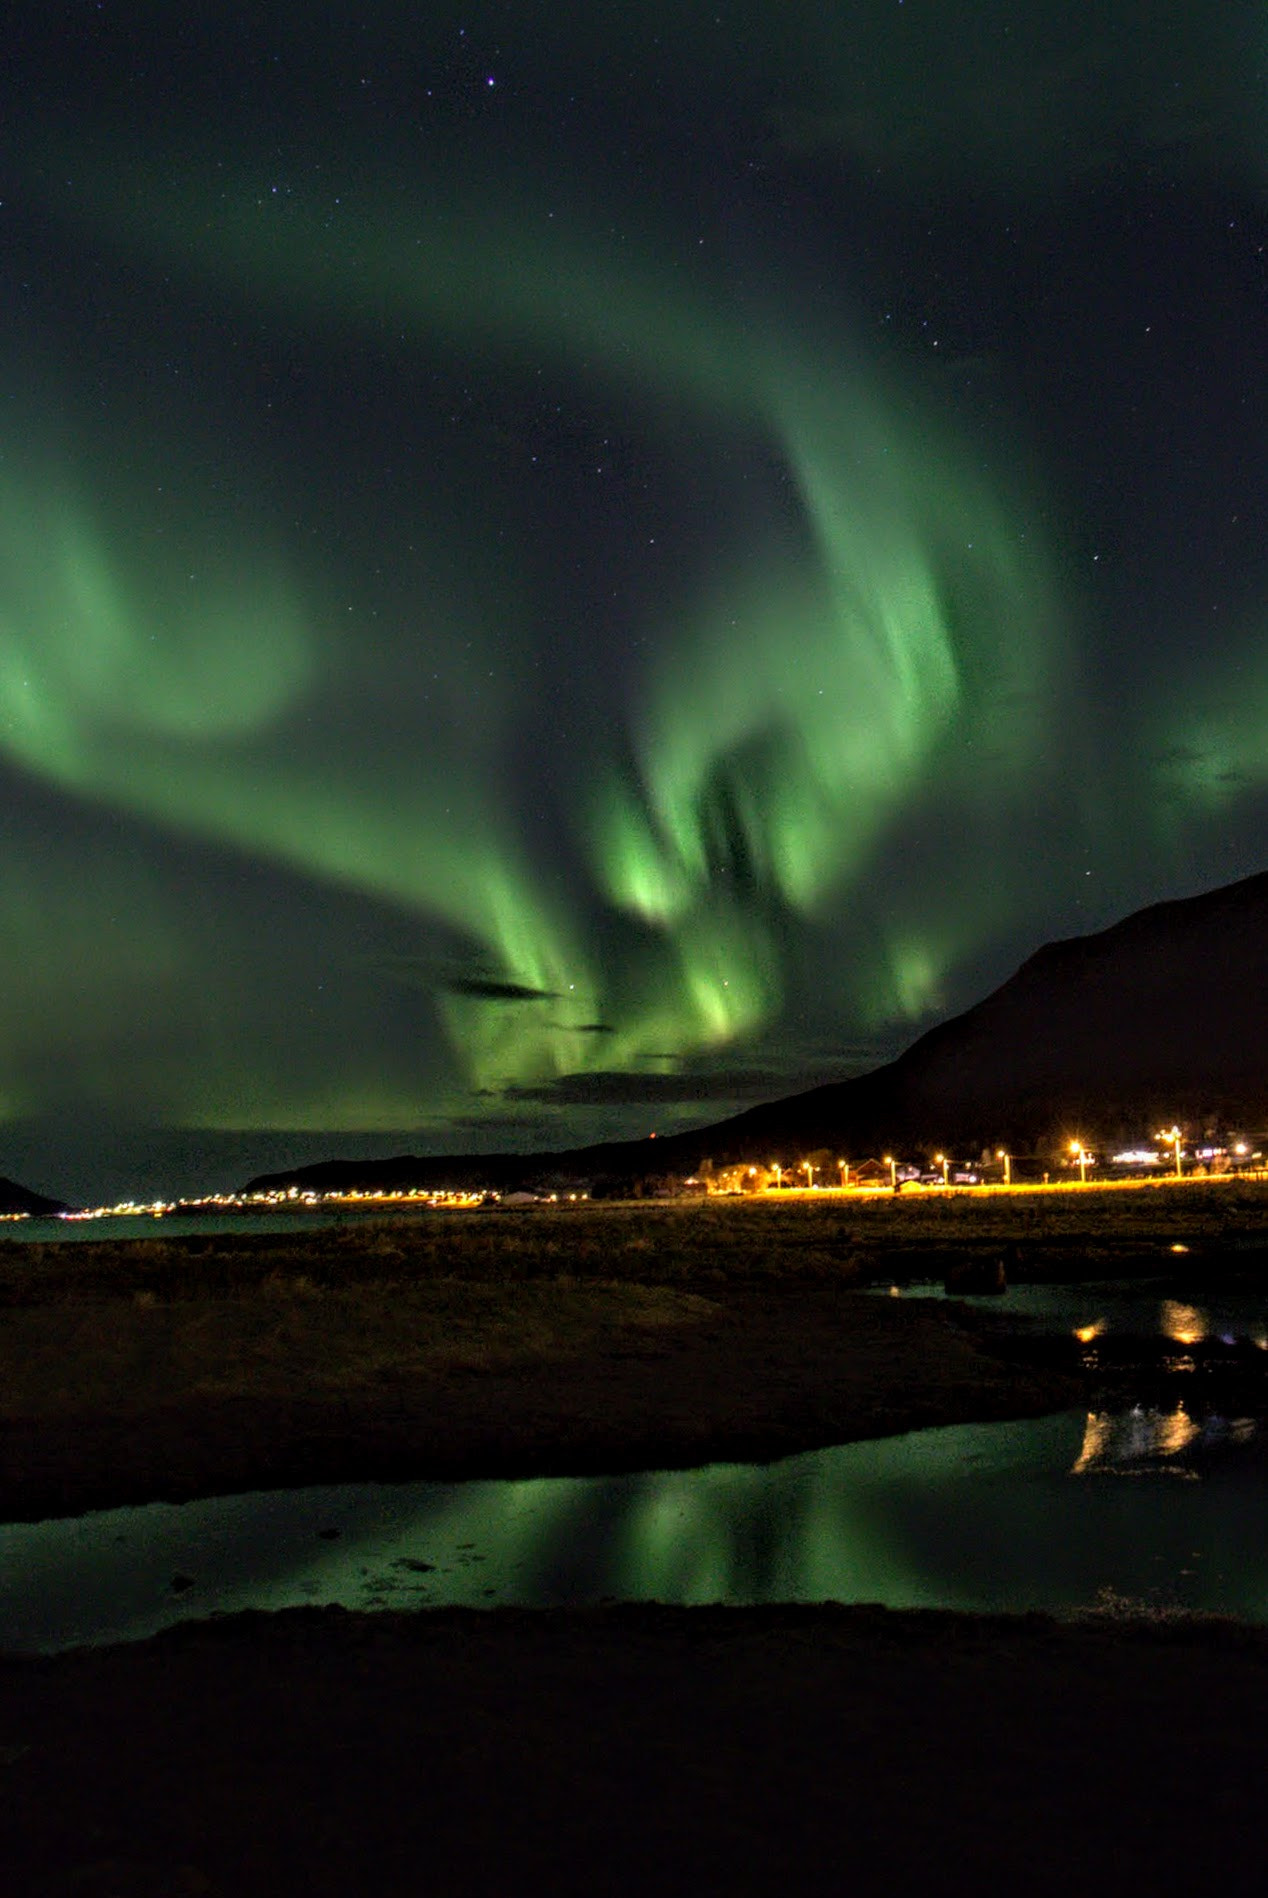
673, 1328
706, 1244
128, 1356
669, 1245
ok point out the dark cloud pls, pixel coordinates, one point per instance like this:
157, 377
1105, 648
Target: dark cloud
490, 1126
486, 989
483, 985
610, 1087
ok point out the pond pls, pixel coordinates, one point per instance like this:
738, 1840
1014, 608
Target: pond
1157, 1511
1146, 1308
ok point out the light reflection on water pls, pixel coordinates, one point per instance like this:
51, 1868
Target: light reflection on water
1090, 1310
1183, 1323
975, 1517
1139, 1440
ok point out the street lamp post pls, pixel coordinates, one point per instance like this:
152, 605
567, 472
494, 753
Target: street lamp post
808, 1169
893, 1170
845, 1173
1007, 1158
1078, 1149
940, 1159
1172, 1138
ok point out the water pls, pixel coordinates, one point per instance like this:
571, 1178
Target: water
120, 1226
1162, 1512
1092, 1309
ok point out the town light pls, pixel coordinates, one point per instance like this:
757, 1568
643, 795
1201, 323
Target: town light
1172, 1138
940, 1159
1080, 1153
893, 1171
1007, 1158
844, 1166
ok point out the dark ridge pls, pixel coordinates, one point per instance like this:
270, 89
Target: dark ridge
20, 1199
1163, 1015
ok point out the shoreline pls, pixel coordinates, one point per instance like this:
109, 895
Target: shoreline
623, 1749
577, 1341
752, 1378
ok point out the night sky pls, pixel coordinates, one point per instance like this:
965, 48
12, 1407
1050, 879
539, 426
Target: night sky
564, 569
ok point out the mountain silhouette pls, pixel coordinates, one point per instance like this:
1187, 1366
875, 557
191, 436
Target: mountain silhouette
20, 1199
1162, 1018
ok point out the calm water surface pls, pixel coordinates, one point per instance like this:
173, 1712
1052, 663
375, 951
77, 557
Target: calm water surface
1161, 1511
1134, 1306
173, 1226
1133, 1509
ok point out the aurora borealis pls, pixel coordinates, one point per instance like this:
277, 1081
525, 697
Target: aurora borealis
560, 573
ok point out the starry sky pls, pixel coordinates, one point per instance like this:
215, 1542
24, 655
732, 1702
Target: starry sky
564, 570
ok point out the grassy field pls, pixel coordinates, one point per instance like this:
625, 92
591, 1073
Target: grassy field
710, 1243
139, 1352
568, 1338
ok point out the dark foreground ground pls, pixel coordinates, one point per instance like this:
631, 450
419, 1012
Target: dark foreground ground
562, 1341
621, 1750
638, 1750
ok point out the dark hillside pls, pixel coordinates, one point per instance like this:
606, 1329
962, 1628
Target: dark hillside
20, 1199
1164, 1014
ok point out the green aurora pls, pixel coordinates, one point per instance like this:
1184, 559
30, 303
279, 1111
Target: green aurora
467, 638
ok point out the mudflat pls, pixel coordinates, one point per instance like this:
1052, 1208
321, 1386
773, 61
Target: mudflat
210, 1397
616, 1750
549, 1341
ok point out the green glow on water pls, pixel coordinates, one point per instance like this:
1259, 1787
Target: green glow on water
1046, 1513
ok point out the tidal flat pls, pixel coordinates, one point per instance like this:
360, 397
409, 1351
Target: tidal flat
551, 1340
624, 1749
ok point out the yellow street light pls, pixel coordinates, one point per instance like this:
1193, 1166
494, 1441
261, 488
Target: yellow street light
807, 1168
1007, 1158
893, 1171
1080, 1153
1172, 1138
844, 1165
940, 1159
